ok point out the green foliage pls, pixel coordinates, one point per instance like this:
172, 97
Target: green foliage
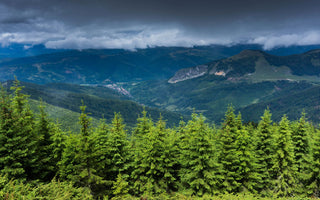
192, 161
118, 147
120, 186
253, 81
292, 103
112, 153
17, 140
228, 153
284, 169
63, 102
314, 179
264, 151
300, 139
46, 160
153, 162
199, 168
14, 189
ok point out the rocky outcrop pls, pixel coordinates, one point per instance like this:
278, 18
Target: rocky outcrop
189, 73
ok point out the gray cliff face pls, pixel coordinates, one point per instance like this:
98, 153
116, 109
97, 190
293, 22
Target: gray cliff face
189, 73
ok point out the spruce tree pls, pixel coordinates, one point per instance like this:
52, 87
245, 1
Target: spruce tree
58, 138
112, 153
79, 163
247, 163
300, 138
7, 122
284, 169
88, 175
18, 141
70, 163
45, 157
102, 152
137, 144
264, 153
228, 157
143, 126
314, 178
153, 162
118, 147
199, 171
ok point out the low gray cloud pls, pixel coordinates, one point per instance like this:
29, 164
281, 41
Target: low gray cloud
146, 23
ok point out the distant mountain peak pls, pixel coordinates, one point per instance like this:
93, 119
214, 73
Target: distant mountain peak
257, 65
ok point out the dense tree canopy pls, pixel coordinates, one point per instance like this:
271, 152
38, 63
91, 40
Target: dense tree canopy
195, 159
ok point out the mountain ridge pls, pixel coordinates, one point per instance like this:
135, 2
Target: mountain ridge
248, 78
95, 66
245, 64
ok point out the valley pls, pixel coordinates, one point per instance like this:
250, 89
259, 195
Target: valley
173, 81
159, 100
63, 103
245, 80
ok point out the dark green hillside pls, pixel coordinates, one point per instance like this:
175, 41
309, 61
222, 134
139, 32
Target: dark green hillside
291, 104
98, 66
211, 96
68, 120
100, 101
301, 64
247, 78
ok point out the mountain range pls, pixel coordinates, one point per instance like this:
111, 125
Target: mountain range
245, 80
94, 66
176, 81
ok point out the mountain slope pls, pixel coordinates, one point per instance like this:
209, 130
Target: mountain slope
292, 105
244, 79
101, 102
99, 66
211, 97
257, 65
67, 119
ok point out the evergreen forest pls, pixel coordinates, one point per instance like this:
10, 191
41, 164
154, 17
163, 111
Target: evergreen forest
195, 160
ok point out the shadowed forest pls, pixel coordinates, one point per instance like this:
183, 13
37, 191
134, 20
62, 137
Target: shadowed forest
195, 160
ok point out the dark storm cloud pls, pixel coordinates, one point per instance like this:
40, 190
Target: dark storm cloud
141, 23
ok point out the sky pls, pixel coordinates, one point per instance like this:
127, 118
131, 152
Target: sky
131, 24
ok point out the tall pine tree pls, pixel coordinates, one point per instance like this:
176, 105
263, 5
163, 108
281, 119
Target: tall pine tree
46, 162
313, 185
228, 155
153, 172
200, 172
264, 152
284, 169
18, 141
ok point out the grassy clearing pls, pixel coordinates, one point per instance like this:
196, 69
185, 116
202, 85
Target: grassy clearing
266, 72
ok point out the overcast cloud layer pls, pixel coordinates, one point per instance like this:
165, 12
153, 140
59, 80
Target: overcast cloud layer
134, 24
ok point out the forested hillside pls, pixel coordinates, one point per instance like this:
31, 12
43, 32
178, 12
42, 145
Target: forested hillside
195, 160
101, 102
40, 65
287, 84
